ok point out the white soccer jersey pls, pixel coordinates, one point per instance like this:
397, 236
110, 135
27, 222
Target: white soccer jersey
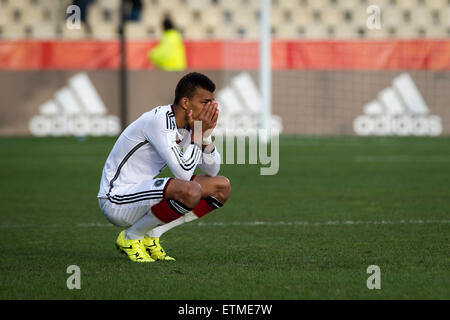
146, 146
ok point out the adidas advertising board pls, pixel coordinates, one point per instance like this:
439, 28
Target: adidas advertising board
75, 110
313, 103
240, 104
400, 110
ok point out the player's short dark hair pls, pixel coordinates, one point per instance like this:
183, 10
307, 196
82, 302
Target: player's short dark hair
190, 82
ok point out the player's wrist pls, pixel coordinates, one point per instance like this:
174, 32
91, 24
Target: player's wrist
207, 140
210, 148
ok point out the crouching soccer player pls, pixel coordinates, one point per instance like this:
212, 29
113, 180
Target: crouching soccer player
129, 194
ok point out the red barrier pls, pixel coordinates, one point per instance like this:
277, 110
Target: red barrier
224, 55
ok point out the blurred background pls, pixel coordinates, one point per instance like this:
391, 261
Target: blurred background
337, 67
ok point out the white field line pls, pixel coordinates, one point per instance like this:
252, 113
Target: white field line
403, 158
323, 223
249, 223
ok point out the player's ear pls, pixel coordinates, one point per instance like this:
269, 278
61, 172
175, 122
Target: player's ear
184, 103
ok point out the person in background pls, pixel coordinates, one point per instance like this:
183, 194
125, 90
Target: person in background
169, 54
83, 5
133, 9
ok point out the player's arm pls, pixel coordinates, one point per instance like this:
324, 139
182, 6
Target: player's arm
210, 163
182, 164
211, 159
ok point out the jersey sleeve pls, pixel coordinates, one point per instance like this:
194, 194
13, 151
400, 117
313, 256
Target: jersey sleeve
162, 137
210, 163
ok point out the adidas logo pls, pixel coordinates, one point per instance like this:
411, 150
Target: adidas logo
241, 103
75, 110
399, 110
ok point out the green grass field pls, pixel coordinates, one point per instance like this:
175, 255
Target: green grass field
336, 206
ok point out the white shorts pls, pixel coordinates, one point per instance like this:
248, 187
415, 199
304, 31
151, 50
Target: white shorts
130, 203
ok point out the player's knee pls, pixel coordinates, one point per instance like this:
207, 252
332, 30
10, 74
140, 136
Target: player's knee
194, 191
191, 194
186, 192
223, 186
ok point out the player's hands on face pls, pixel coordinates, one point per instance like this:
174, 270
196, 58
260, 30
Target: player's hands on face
208, 116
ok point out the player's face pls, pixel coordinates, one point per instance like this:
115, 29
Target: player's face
199, 100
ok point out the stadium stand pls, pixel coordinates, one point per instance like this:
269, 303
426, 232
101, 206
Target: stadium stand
226, 19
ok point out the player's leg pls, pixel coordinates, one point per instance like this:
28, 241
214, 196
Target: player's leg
140, 208
178, 197
215, 191
121, 211
218, 186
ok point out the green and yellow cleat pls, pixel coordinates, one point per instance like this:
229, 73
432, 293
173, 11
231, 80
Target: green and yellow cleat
134, 249
155, 250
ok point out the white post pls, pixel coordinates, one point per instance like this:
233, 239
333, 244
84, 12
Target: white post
265, 71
